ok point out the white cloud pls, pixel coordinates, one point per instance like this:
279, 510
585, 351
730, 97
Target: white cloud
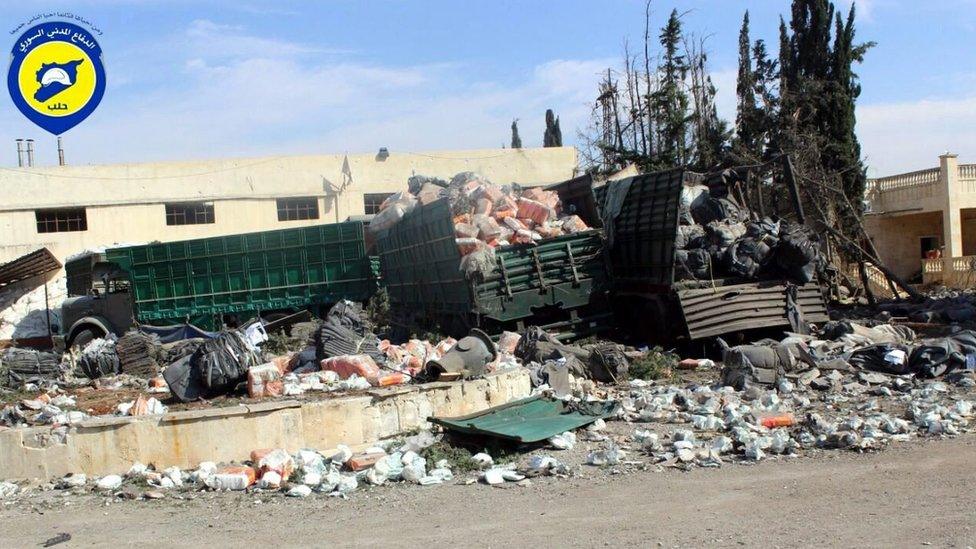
907, 136
221, 91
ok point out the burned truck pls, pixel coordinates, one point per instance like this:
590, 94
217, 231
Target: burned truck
689, 261
559, 281
209, 282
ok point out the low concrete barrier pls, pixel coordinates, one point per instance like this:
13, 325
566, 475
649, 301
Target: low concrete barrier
109, 445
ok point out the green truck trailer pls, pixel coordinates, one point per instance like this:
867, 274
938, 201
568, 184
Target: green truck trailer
560, 283
207, 281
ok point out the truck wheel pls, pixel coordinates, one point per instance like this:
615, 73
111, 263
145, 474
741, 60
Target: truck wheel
84, 337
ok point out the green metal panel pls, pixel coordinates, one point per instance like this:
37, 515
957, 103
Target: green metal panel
645, 229
530, 420
280, 269
421, 270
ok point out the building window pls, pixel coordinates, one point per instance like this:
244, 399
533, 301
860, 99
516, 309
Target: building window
373, 201
295, 209
189, 213
61, 220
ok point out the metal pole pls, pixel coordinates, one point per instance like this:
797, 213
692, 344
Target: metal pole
20, 153
60, 152
30, 153
47, 312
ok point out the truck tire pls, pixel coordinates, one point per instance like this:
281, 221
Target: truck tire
84, 337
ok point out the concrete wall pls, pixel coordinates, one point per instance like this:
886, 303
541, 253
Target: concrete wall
110, 445
125, 203
897, 238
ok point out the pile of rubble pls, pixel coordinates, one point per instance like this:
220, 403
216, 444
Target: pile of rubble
800, 395
486, 215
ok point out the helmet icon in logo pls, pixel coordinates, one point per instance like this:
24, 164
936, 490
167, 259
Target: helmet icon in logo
55, 78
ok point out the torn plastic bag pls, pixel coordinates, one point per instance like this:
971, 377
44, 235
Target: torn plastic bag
99, 358
797, 255
478, 262
692, 196
935, 357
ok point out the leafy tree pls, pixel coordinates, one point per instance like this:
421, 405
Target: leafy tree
516, 140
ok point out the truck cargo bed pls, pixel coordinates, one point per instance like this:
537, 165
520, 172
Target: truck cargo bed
421, 271
262, 271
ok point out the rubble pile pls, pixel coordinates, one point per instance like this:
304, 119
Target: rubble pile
486, 215
717, 238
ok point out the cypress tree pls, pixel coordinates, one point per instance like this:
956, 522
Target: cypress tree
669, 102
516, 140
746, 146
844, 151
553, 136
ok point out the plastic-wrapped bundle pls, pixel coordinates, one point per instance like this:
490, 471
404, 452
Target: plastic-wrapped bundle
693, 263
797, 254
724, 233
138, 353
746, 256
346, 332
99, 358
222, 362
538, 212
689, 237
692, 196
29, 366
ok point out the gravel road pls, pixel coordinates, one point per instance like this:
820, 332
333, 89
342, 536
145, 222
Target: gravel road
913, 494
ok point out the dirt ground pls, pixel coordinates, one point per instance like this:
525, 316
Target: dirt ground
920, 493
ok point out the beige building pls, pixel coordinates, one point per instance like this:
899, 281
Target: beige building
915, 216
69, 209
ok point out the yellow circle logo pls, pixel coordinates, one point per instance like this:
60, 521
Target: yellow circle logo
56, 76
57, 79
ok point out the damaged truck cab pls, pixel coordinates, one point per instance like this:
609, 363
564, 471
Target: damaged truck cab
99, 301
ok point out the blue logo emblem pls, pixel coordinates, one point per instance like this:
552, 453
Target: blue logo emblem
56, 76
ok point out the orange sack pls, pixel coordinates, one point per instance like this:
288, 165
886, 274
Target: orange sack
536, 211
573, 224
347, 365
505, 207
265, 380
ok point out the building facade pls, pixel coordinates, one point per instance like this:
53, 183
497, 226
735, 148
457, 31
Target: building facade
69, 209
923, 223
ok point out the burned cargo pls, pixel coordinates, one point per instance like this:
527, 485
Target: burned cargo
470, 253
689, 261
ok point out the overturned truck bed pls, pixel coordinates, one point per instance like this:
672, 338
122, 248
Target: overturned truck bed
559, 282
641, 217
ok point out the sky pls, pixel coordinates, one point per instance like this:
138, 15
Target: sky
197, 79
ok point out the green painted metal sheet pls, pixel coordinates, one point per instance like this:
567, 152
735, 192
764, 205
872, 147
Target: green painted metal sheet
269, 270
530, 420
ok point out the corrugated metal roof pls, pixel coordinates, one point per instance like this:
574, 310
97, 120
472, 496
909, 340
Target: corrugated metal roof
33, 264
